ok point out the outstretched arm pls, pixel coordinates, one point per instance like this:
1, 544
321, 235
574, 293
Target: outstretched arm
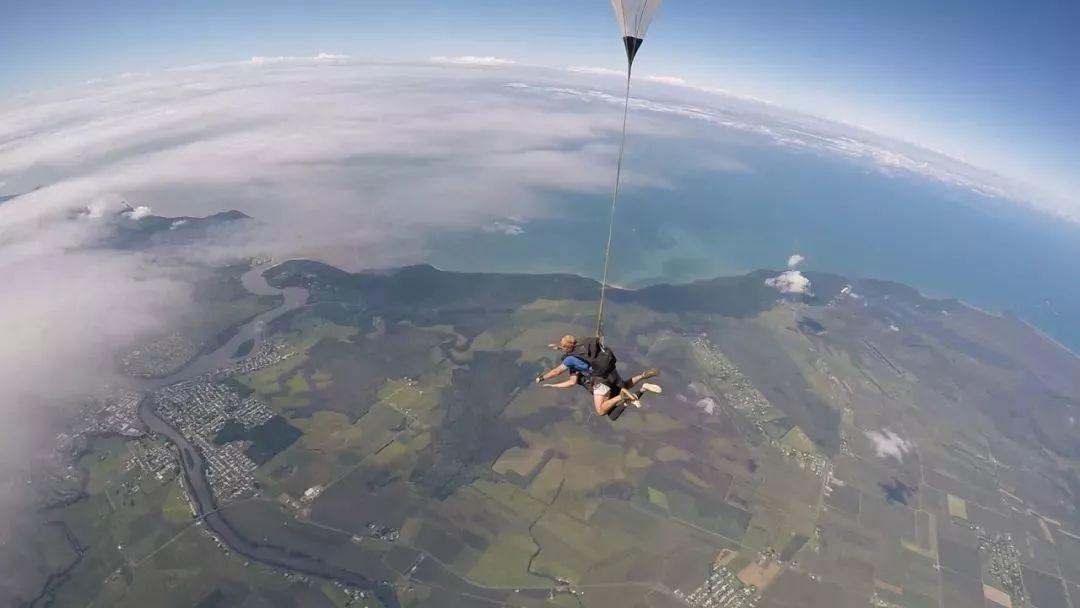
554, 372
572, 381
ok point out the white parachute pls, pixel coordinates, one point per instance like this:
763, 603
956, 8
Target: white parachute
634, 17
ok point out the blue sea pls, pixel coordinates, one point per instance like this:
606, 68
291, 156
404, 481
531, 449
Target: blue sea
844, 217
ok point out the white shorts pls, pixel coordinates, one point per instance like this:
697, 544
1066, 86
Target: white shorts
601, 390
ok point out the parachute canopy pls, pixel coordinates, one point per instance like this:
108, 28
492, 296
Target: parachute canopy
634, 17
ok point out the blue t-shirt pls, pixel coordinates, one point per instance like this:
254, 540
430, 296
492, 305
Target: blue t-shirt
577, 365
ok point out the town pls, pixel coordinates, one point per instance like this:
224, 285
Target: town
118, 413
722, 589
740, 392
748, 401
159, 358
199, 409
1003, 563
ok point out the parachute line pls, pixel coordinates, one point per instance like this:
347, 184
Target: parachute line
633, 17
614, 203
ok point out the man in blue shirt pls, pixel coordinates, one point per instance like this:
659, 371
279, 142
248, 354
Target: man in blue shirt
610, 392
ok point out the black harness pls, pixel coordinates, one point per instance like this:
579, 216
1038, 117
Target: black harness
601, 359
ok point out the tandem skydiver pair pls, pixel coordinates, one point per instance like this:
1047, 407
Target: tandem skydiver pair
592, 365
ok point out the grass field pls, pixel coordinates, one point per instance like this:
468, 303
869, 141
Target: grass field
176, 508
957, 507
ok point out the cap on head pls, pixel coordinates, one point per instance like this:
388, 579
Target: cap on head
567, 342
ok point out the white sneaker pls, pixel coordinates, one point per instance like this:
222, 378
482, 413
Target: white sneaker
649, 387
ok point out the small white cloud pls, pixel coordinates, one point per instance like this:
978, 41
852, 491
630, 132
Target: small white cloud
849, 292
790, 281
672, 80
893, 327
795, 260
887, 443
138, 213
473, 60
177, 224
586, 69
507, 228
267, 60
321, 57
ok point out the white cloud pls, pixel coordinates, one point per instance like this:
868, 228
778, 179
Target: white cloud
887, 443
321, 57
795, 260
790, 282
671, 80
507, 228
177, 224
138, 213
794, 130
265, 60
599, 71
474, 60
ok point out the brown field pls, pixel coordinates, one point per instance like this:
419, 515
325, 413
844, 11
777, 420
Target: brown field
760, 575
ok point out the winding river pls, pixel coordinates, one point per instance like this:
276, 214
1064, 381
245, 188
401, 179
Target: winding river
253, 281
193, 465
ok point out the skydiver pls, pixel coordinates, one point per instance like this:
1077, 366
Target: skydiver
593, 366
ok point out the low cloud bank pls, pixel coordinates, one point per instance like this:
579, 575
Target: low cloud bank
474, 60
354, 163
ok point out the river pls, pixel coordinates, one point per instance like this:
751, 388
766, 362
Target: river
255, 283
193, 465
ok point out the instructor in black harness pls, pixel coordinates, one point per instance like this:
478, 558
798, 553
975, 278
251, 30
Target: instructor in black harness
593, 365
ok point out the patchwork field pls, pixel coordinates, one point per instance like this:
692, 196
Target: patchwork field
801, 446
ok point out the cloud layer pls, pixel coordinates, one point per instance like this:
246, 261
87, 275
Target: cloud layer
353, 163
474, 60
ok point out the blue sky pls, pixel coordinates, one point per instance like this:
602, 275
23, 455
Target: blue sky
991, 82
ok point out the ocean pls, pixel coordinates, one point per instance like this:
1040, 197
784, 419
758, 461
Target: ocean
844, 217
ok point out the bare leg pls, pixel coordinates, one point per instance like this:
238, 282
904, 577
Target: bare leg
604, 404
609, 404
643, 376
